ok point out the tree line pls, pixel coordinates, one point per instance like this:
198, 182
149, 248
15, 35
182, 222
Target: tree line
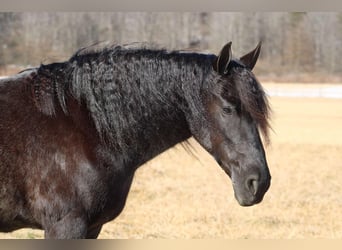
293, 42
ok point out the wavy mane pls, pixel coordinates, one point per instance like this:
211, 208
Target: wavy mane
117, 83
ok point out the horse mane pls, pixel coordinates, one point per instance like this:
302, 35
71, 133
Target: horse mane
97, 77
105, 47
119, 83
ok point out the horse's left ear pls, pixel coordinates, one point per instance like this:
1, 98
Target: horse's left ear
221, 63
251, 58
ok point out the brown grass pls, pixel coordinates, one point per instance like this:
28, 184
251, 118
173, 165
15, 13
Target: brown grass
177, 195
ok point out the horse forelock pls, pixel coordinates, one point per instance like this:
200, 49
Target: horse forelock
250, 93
255, 101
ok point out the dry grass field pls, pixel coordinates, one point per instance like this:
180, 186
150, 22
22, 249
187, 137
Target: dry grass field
184, 195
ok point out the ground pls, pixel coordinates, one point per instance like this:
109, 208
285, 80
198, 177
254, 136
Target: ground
186, 195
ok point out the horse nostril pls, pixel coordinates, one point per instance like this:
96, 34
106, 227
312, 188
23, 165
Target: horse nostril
253, 184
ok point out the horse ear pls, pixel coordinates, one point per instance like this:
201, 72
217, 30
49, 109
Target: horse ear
222, 61
251, 58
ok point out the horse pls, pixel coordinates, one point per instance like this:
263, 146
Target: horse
73, 133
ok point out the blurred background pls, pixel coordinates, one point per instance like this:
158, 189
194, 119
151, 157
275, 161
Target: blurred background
296, 46
182, 195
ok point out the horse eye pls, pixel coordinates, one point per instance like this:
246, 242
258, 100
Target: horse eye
228, 110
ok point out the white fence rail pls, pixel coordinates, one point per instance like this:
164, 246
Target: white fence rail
305, 90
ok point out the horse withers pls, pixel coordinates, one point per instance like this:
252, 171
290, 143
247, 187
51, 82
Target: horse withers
73, 133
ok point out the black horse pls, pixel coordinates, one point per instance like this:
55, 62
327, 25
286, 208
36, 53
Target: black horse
73, 133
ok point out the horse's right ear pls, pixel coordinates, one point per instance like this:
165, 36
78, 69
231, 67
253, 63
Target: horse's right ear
250, 58
221, 63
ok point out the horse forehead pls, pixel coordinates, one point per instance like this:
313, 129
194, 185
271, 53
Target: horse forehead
237, 63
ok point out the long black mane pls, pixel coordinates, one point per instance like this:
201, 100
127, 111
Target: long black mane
118, 84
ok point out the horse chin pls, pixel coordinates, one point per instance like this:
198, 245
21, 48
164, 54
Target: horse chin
247, 201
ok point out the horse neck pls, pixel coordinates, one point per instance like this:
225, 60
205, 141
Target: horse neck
159, 133
160, 124
142, 123
143, 110
149, 132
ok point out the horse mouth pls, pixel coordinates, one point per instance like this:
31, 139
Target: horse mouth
247, 202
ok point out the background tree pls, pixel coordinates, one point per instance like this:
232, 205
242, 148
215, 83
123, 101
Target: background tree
293, 43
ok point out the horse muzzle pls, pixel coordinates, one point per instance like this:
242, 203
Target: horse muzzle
250, 190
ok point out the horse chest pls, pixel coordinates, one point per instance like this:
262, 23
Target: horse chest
114, 199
